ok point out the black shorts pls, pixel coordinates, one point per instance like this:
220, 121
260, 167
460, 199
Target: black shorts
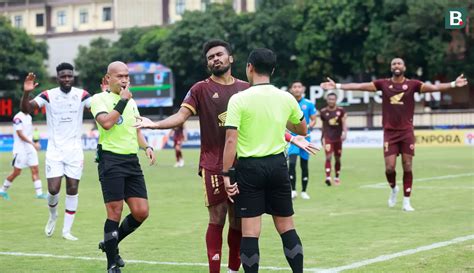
264, 186
121, 177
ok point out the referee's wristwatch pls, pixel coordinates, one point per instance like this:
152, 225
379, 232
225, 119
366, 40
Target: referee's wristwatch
229, 173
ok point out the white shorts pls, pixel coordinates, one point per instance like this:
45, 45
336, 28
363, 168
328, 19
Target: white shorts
68, 163
24, 160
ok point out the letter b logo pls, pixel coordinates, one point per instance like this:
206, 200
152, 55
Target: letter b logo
455, 18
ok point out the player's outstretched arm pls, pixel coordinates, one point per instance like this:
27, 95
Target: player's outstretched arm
27, 105
459, 82
170, 122
365, 86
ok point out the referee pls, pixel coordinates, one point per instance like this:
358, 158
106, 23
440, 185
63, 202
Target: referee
120, 173
255, 123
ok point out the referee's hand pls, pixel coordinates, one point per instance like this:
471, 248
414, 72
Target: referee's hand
151, 155
302, 143
231, 189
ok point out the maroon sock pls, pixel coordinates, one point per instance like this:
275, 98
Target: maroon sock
407, 183
214, 247
178, 154
234, 237
337, 168
391, 176
328, 168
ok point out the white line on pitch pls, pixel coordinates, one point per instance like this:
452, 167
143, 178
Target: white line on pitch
378, 259
383, 258
451, 176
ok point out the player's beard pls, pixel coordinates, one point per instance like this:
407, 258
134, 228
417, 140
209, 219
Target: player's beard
219, 71
397, 74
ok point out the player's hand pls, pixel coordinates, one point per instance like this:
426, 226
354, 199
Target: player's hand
302, 143
29, 84
461, 81
125, 92
329, 85
231, 189
151, 155
104, 85
143, 122
343, 136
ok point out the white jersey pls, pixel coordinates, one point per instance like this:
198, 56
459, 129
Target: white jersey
22, 121
64, 112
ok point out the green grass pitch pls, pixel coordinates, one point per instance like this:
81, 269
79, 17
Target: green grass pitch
339, 226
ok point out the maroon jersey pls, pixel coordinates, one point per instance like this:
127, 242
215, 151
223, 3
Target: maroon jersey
209, 100
398, 103
178, 133
332, 123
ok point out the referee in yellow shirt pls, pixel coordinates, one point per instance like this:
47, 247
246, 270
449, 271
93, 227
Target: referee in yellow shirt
256, 122
120, 174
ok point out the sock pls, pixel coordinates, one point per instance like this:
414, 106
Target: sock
407, 183
328, 168
214, 247
304, 173
293, 250
38, 188
53, 204
234, 237
337, 168
178, 155
292, 171
391, 176
110, 241
70, 212
250, 254
6, 185
128, 225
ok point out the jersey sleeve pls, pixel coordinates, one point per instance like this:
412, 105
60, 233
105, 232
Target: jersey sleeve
97, 106
86, 99
417, 86
191, 101
17, 123
234, 113
42, 99
378, 84
296, 115
312, 109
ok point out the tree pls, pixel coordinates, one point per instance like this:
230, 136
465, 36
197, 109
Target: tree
19, 54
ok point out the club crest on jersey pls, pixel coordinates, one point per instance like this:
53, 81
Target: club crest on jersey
304, 107
120, 120
404, 87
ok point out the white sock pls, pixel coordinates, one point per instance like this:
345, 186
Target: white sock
38, 188
53, 204
6, 185
71, 207
406, 200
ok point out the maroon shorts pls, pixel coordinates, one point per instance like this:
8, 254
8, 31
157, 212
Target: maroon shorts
214, 190
398, 142
333, 147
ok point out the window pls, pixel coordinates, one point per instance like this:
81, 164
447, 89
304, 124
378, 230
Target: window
205, 4
61, 18
83, 17
18, 21
180, 6
107, 14
39, 20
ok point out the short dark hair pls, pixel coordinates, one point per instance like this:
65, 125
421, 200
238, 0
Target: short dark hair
216, 42
331, 94
263, 60
64, 66
295, 81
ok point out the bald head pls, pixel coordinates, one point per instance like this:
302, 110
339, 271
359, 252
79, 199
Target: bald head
117, 76
114, 66
397, 66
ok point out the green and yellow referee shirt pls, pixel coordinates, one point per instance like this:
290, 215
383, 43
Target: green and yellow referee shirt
260, 114
122, 137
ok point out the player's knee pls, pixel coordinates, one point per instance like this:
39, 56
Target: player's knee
389, 169
53, 190
407, 166
218, 214
16, 172
141, 214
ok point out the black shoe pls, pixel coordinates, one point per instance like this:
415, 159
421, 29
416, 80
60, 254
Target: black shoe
118, 260
328, 182
114, 269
